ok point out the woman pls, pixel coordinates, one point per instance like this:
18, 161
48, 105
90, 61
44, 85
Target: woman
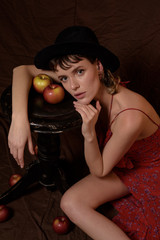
121, 138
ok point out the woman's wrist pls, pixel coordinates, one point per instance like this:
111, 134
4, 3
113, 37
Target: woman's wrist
19, 116
90, 137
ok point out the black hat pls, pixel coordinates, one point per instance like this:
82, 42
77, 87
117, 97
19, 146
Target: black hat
76, 40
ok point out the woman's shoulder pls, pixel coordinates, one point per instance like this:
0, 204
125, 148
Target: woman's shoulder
134, 111
131, 99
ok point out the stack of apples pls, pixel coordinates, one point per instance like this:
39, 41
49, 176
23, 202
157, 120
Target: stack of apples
52, 92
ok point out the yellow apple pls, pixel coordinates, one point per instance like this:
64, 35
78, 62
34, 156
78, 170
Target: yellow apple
41, 81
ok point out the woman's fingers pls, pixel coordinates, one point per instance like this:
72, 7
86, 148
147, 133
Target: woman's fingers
21, 157
14, 152
88, 111
89, 106
18, 154
30, 145
98, 106
89, 115
18, 136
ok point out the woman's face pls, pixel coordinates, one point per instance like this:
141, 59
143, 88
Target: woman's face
81, 80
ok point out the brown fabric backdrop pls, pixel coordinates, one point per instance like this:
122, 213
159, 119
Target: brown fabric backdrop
131, 29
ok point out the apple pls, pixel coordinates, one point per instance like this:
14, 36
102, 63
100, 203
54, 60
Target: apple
61, 225
4, 213
14, 179
53, 93
40, 82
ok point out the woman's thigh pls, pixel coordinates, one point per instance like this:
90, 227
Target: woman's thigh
94, 191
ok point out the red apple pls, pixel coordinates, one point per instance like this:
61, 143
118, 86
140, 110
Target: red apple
4, 213
61, 225
40, 82
14, 179
53, 93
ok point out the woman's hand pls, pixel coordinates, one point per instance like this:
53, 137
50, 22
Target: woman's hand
89, 116
19, 134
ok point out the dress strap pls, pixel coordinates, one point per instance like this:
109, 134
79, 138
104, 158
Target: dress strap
136, 110
109, 116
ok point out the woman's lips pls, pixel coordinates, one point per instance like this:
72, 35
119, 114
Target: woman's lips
79, 95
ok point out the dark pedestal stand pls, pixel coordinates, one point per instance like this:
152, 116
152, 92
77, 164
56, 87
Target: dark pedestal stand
48, 121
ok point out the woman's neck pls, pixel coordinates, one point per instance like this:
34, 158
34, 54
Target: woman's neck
104, 98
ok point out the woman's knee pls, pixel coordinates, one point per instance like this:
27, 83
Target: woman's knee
71, 204
65, 203
68, 201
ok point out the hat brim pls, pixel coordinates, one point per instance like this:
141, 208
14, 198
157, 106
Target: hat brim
108, 59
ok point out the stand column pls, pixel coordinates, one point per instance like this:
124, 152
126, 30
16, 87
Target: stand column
48, 155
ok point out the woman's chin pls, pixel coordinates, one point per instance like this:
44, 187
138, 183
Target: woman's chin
84, 101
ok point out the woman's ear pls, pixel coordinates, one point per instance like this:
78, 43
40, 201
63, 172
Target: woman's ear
99, 65
100, 70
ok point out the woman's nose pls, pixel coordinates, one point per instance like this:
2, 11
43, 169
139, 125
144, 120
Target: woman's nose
74, 84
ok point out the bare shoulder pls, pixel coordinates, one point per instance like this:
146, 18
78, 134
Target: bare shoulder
128, 122
129, 118
130, 99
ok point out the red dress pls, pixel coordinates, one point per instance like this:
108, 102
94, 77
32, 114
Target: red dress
139, 212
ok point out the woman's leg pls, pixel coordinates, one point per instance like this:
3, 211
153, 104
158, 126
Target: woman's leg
81, 200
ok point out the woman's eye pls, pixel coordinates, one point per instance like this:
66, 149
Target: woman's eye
80, 71
63, 79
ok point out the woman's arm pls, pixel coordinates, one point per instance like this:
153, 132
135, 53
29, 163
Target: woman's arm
21, 84
127, 129
19, 132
